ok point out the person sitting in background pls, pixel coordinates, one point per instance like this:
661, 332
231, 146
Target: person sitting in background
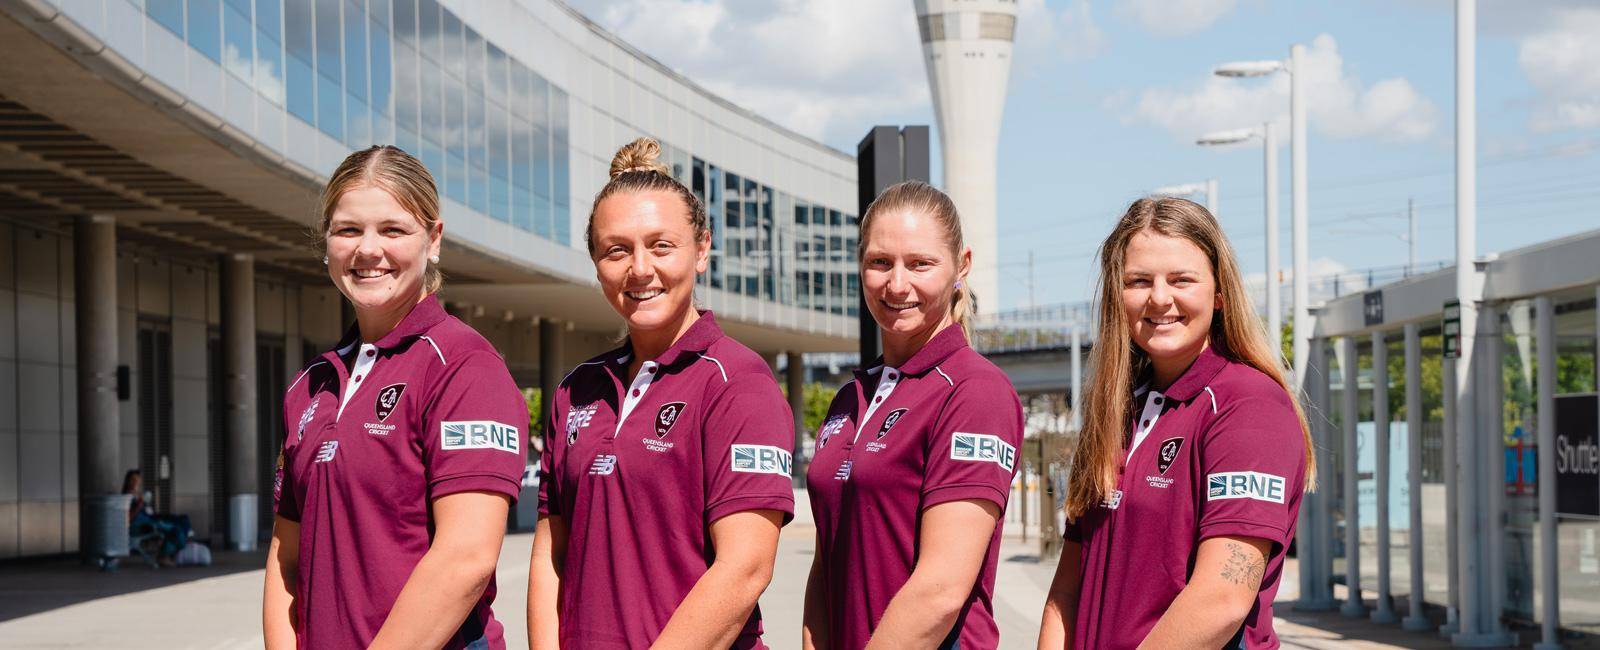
173, 529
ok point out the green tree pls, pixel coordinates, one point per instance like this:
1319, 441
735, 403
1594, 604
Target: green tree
817, 398
535, 411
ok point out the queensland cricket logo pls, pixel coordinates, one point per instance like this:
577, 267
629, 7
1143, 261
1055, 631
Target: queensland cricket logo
889, 421
388, 398
1169, 453
668, 416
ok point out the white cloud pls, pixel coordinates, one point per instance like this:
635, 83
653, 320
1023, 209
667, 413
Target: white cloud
825, 68
1562, 61
1340, 105
1045, 36
1175, 17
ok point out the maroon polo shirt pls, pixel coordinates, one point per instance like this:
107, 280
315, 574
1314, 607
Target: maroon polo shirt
639, 470
375, 433
1220, 452
944, 426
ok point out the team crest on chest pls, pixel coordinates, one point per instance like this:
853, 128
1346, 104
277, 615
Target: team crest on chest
889, 421
830, 428
388, 398
1168, 453
668, 416
305, 418
578, 418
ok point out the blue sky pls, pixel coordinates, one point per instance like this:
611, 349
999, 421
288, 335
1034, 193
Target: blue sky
1107, 96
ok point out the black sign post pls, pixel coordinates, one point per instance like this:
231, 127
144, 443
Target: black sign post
886, 156
1578, 456
1372, 307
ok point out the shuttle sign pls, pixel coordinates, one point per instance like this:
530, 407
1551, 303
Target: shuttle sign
1577, 456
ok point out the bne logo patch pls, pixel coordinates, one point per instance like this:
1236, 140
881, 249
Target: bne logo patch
761, 459
326, 452
603, 465
983, 447
1244, 485
479, 434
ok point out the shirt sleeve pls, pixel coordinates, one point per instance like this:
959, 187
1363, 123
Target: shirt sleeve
1253, 457
972, 453
474, 429
549, 481
748, 449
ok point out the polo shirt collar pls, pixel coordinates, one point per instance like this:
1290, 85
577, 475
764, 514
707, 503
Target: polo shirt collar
939, 348
1198, 376
697, 340
422, 317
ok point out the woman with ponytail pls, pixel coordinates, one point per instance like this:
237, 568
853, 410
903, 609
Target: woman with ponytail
915, 459
1193, 455
665, 473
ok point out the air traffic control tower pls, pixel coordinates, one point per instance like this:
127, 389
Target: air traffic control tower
967, 46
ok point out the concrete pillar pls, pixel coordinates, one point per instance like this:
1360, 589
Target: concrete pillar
239, 367
1316, 542
1380, 420
99, 444
796, 379
1349, 367
1452, 494
1415, 620
1077, 378
1549, 572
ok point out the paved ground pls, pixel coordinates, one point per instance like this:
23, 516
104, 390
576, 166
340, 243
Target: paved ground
62, 604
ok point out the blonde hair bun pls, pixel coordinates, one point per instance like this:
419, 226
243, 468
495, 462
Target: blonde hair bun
642, 155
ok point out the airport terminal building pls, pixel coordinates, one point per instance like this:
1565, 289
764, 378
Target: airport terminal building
160, 162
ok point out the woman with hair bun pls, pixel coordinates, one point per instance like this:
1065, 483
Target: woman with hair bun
1193, 456
915, 459
665, 474
406, 452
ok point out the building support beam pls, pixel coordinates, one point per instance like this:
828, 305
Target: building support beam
99, 440
1415, 620
1549, 572
551, 369
1316, 540
795, 376
1452, 497
1384, 613
1349, 368
239, 368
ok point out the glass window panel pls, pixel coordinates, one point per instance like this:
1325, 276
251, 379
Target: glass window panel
430, 30
330, 108
329, 64
433, 158
475, 64
405, 87
543, 217
735, 205
269, 50
380, 12
521, 207
997, 26
835, 218
167, 13
382, 69
355, 51
495, 76
205, 28
236, 33
301, 95
358, 125
405, 21
431, 103
454, 132
477, 153
456, 177
454, 52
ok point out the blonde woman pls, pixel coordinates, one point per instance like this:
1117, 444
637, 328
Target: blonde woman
406, 455
1193, 455
914, 461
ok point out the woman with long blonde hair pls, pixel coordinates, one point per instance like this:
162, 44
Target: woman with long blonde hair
1193, 455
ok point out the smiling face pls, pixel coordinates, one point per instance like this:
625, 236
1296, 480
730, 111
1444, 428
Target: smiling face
1169, 295
646, 258
908, 275
378, 253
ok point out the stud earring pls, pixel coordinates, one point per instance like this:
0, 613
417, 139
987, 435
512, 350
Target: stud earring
324, 260
434, 259
958, 284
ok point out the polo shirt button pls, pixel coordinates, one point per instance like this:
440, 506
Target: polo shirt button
358, 377
635, 392
878, 398
1146, 424
650, 370
1157, 399
371, 352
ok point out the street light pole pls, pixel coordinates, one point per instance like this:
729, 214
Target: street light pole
1274, 318
1301, 246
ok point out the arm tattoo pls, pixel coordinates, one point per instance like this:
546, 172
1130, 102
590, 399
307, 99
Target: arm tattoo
1239, 569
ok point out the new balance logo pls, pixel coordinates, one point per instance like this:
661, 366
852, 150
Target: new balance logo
843, 473
603, 465
761, 459
479, 434
1245, 485
982, 447
326, 451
